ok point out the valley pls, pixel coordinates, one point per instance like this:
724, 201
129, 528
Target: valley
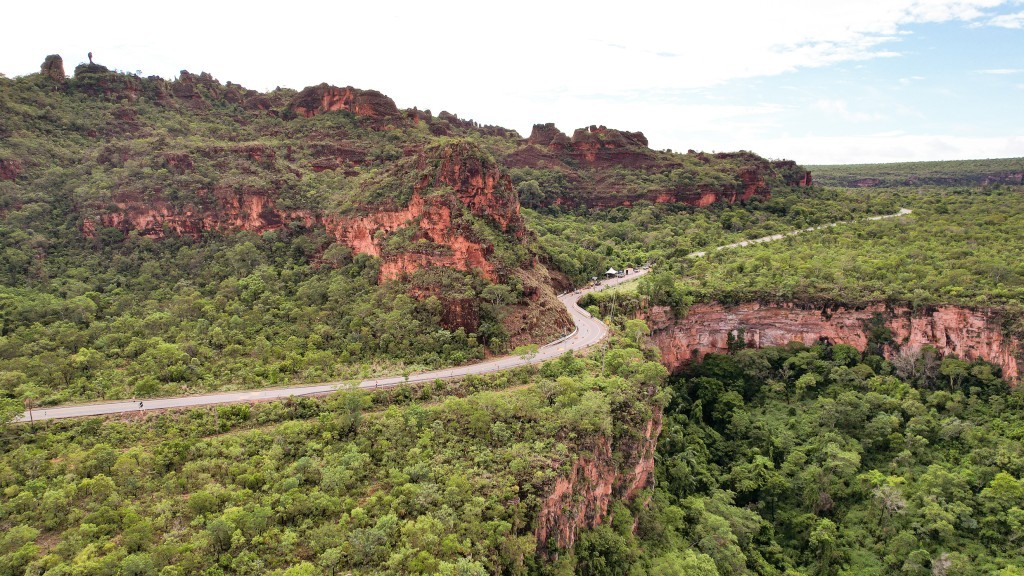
309, 332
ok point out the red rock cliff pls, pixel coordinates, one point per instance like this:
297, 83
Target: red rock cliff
325, 98
453, 178
593, 160
962, 332
581, 498
225, 209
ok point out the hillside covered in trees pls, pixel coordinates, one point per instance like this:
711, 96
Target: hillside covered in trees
165, 237
172, 236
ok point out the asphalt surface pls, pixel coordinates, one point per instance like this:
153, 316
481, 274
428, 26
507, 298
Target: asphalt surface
589, 331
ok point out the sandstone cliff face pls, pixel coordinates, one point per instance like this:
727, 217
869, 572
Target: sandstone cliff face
325, 98
433, 222
592, 159
581, 499
480, 185
962, 332
226, 210
475, 184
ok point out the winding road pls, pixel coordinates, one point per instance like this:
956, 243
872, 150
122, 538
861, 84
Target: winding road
589, 331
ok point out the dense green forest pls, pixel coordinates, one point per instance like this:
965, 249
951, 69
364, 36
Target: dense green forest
116, 313
823, 461
146, 318
959, 246
439, 478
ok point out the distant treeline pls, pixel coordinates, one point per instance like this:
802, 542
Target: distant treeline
941, 173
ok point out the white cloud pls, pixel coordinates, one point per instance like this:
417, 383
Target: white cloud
572, 62
1002, 71
578, 46
889, 147
840, 108
1012, 21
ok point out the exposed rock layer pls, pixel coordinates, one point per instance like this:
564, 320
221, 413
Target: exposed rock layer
53, 67
582, 498
963, 332
591, 158
325, 98
476, 185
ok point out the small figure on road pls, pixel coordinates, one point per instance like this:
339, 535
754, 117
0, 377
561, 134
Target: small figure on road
140, 404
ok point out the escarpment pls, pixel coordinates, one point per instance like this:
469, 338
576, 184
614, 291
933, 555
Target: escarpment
581, 498
708, 328
457, 183
605, 168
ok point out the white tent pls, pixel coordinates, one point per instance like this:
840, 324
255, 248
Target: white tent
611, 272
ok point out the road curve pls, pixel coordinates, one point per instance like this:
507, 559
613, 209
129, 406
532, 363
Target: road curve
589, 331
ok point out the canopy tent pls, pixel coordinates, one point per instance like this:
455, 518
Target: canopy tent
611, 272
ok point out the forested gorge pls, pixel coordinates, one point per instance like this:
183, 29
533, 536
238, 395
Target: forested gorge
823, 461
795, 460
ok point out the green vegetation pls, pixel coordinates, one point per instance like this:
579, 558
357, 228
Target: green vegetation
584, 243
148, 318
961, 247
114, 315
779, 461
820, 461
941, 173
439, 478
958, 246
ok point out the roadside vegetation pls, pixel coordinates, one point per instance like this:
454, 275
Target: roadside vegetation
435, 478
585, 243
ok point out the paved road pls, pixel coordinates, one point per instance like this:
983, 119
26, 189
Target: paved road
589, 331
902, 212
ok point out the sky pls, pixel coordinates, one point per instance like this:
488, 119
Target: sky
816, 81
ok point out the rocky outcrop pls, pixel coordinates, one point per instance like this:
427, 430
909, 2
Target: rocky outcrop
224, 209
325, 98
335, 155
962, 332
454, 178
10, 168
98, 81
53, 67
602, 168
446, 123
478, 181
581, 498
439, 241
595, 146
792, 174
